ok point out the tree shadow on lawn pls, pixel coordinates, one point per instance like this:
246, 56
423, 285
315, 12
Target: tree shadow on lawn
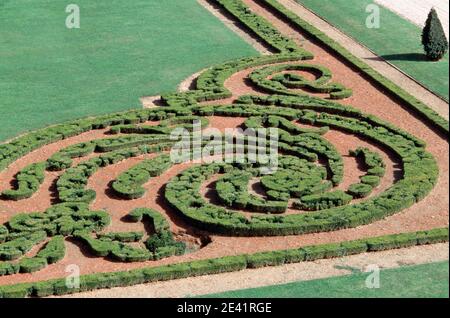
412, 57
351, 269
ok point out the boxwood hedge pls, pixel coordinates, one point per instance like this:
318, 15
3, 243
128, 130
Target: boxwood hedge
129, 184
224, 264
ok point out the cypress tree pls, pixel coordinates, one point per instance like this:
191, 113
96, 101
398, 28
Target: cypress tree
433, 37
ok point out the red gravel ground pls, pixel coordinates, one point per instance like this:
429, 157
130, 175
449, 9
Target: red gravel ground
430, 213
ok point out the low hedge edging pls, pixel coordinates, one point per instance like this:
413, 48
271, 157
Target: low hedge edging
225, 264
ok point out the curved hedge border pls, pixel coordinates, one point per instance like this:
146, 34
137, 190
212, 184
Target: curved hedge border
261, 27
420, 176
129, 184
71, 184
307, 142
323, 201
210, 84
232, 190
28, 181
224, 265
162, 243
282, 83
293, 103
105, 247
19, 246
51, 253
283, 123
63, 158
24, 231
23, 145
375, 167
60, 219
372, 160
295, 178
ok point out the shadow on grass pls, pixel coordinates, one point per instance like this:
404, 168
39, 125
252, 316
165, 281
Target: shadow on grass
412, 57
352, 270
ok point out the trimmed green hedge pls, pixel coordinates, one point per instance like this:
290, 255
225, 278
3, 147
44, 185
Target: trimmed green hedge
266, 79
224, 264
371, 159
420, 176
63, 159
21, 146
105, 247
376, 168
162, 243
60, 219
261, 27
323, 201
294, 178
315, 104
165, 127
17, 247
28, 181
325, 149
129, 184
52, 252
210, 84
232, 190
129, 141
7, 268
3, 233
124, 237
360, 190
71, 185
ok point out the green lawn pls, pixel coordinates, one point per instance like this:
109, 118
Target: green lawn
420, 281
397, 40
123, 50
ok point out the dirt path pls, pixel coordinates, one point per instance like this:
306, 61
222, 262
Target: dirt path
189, 82
252, 278
150, 101
382, 66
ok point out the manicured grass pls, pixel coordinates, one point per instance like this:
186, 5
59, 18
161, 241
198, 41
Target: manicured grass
419, 281
397, 40
123, 50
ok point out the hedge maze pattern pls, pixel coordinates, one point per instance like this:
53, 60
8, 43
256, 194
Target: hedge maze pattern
310, 167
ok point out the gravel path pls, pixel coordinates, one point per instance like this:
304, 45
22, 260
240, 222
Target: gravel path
417, 11
383, 67
253, 278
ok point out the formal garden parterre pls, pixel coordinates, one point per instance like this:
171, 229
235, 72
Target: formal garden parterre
359, 171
